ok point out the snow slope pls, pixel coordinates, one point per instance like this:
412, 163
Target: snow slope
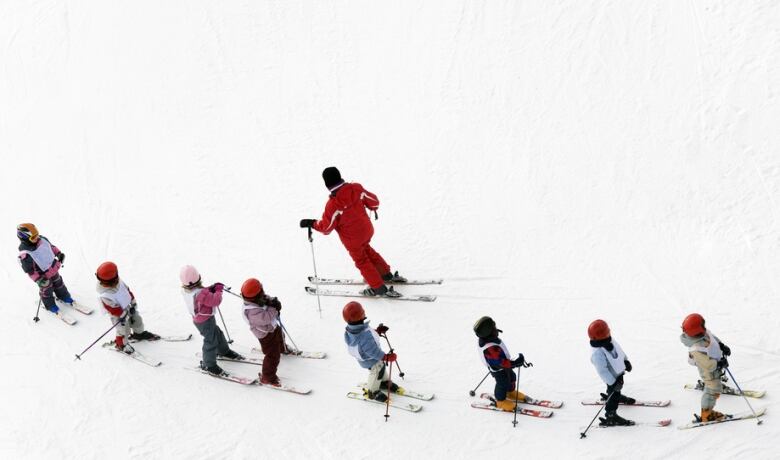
554, 161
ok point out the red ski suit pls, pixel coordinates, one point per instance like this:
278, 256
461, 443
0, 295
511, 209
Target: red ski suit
345, 212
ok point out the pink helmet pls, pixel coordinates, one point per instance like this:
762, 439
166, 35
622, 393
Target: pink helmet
189, 276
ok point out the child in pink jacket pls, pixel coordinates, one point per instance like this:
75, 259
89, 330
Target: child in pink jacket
202, 304
262, 313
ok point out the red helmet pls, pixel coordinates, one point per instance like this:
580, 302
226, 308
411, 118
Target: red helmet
251, 288
353, 312
693, 325
107, 272
598, 330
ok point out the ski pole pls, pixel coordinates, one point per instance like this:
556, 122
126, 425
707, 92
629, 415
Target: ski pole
36, 319
474, 391
224, 325
400, 372
287, 334
78, 356
583, 434
376, 215
389, 385
517, 394
314, 262
742, 393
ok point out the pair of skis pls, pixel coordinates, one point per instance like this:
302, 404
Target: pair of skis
401, 391
318, 290
64, 316
490, 404
138, 356
259, 362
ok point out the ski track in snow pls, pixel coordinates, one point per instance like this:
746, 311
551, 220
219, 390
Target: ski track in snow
554, 162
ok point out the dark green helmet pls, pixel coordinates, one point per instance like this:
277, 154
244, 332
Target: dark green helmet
484, 327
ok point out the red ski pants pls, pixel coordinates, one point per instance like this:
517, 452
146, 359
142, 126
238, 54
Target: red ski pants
272, 346
371, 265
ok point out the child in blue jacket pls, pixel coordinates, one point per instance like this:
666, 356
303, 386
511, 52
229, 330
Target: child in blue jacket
363, 343
611, 363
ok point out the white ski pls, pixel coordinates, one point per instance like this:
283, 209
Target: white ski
402, 406
660, 423
727, 390
731, 418
328, 292
298, 353
138, 357
289, 389
226, 376
601, 402
405, 392
255, 361
83, 309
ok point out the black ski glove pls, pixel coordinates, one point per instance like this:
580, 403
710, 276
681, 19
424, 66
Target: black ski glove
273, 302
628, 365
61, 257
723, 363
519, 361
382, 329
725, 349
307, 223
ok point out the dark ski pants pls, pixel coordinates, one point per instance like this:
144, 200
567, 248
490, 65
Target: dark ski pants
371, 265
505, 382
214, 342
614, 396
56, 287
272, 346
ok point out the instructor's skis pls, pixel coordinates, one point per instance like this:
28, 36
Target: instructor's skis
328, 292
727, 390
360, 282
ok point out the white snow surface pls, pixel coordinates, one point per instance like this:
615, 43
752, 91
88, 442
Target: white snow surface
554, 161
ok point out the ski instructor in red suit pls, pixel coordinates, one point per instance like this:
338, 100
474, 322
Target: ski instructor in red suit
346, 213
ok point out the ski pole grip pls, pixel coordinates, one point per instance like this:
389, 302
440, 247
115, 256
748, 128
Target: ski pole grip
310, 238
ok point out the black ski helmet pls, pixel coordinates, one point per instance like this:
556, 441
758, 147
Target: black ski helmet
485, 327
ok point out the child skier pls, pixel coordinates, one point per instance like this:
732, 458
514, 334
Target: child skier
345, 213
611, 363
119, 301
201, 303
363, 343
262, 314
495, 355
708, 354
41, 260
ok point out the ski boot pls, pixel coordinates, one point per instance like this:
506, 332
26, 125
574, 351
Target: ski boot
378, 396
625, 400
381, 291
288, 350
68, 300
270, 380
126, 348
145, 335
391, 277
515, 396
611, 418
233, 355
54, 308
214, 370
507, 405
709, 415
